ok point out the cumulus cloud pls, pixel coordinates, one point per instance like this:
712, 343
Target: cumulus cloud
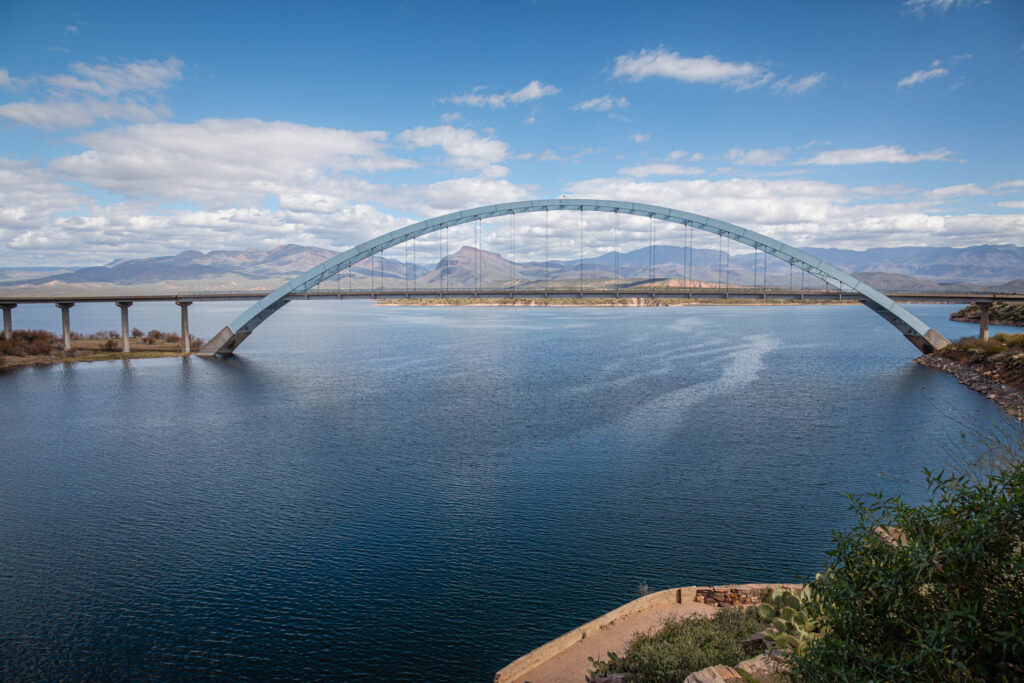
888, 154
641, 137
708, 69
534, 90
219, 162
757, 157
603, 103
662, 63
127, 92
464, 147
660, 169
815, 213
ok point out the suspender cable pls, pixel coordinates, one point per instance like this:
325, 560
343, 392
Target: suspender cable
547, 250
512, 264
650, 250
581, 251
719, 260
616, 249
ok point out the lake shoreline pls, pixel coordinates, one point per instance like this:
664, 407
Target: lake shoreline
984, 377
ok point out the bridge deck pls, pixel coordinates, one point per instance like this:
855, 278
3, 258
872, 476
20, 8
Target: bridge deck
623, 292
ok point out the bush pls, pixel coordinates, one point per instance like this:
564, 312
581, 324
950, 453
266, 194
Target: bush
136, 332
29, 343
110, 345
155, 334
683, 646
948, 604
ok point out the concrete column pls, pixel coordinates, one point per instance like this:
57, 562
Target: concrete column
8, 329
186, 343
983, 329
125, 336
65, 321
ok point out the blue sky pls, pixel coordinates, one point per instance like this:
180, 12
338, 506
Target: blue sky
140, 129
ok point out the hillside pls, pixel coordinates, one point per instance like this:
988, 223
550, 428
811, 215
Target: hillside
892, 269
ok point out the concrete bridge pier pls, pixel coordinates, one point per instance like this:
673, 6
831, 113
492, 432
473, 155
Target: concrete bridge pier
8, 329
186, 342
125, 344
65, 321
983, 324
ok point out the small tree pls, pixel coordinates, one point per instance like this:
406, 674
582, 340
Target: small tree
940, 598
137, 333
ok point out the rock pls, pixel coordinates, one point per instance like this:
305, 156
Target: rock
763, 667
613, 678
754, 643
719, 673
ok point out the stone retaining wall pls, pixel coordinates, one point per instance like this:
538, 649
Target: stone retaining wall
728, 596
750, 591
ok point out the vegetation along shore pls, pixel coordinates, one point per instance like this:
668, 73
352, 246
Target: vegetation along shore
40, 347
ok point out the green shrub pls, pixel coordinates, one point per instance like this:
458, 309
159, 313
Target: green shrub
683, 646
948, 604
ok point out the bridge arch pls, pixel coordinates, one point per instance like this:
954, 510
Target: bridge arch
921, 335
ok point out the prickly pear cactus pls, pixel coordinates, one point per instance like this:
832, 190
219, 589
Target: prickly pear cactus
791, 616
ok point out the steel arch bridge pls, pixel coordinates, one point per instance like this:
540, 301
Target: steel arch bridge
921, 335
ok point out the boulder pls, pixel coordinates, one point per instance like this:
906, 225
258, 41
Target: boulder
754, 643
764, 668
719, 673
613, 678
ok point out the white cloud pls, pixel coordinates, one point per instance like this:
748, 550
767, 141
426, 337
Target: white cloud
465, 149
451, 117
603, 103
5, 78
534, 90
814, 213
888, 154
800, 85
70, 29
660, 169
98, 92
219, 163
707, 69
106, 80
922, 7
1012, 205
641, 137
921, 76
757, 157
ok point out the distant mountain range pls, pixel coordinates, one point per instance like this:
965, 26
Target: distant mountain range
898, 268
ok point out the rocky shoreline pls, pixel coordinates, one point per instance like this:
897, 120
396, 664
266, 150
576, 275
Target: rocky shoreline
984, 381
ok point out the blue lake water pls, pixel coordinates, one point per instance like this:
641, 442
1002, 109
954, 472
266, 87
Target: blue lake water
379, 493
